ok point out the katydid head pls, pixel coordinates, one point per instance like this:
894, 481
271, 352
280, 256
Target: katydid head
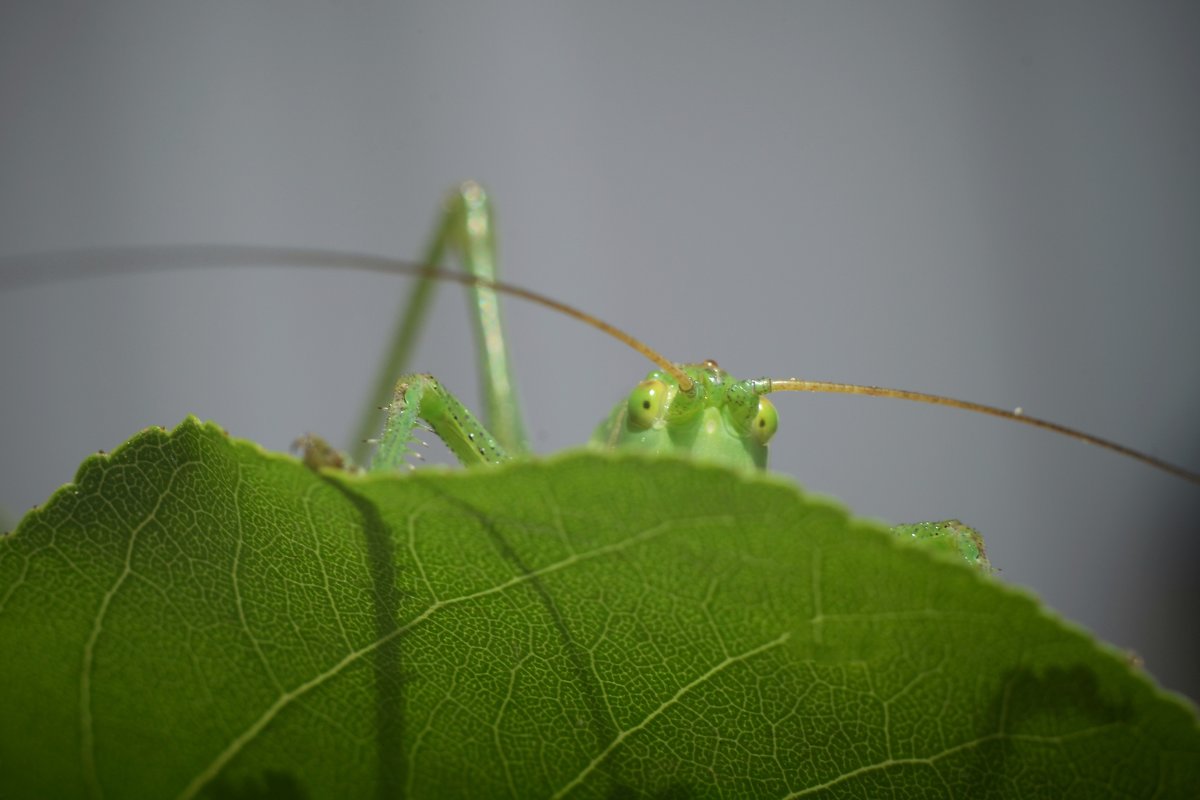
714, 417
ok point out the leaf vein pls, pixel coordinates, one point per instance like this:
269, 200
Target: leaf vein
87, 734
712, 672
234, 747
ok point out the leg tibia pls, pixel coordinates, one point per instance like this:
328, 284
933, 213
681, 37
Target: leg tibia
465, 229
476, 228
421, 397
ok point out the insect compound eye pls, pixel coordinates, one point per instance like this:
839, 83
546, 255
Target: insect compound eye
766, 421
646, 403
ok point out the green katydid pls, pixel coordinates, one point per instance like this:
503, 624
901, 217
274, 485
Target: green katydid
697, 410
716, 418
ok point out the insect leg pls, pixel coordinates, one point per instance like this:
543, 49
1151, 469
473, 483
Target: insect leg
421, 398
465, 227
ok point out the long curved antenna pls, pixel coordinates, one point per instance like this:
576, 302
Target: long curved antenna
766, 385
42, 268
19, 271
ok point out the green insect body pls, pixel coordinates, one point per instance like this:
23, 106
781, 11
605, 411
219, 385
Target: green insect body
721, 420
717, 419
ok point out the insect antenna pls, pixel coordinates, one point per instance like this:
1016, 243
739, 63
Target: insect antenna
19, 271
766, 385
42, 268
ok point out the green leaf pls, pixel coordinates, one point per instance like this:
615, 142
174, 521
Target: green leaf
197, 617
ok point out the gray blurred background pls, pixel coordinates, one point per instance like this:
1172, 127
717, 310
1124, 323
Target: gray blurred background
999, 202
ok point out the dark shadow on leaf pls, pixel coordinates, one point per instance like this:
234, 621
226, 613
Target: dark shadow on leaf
1063, 699
1056, 701
389, 677
271, 785
602, 726
675, 792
